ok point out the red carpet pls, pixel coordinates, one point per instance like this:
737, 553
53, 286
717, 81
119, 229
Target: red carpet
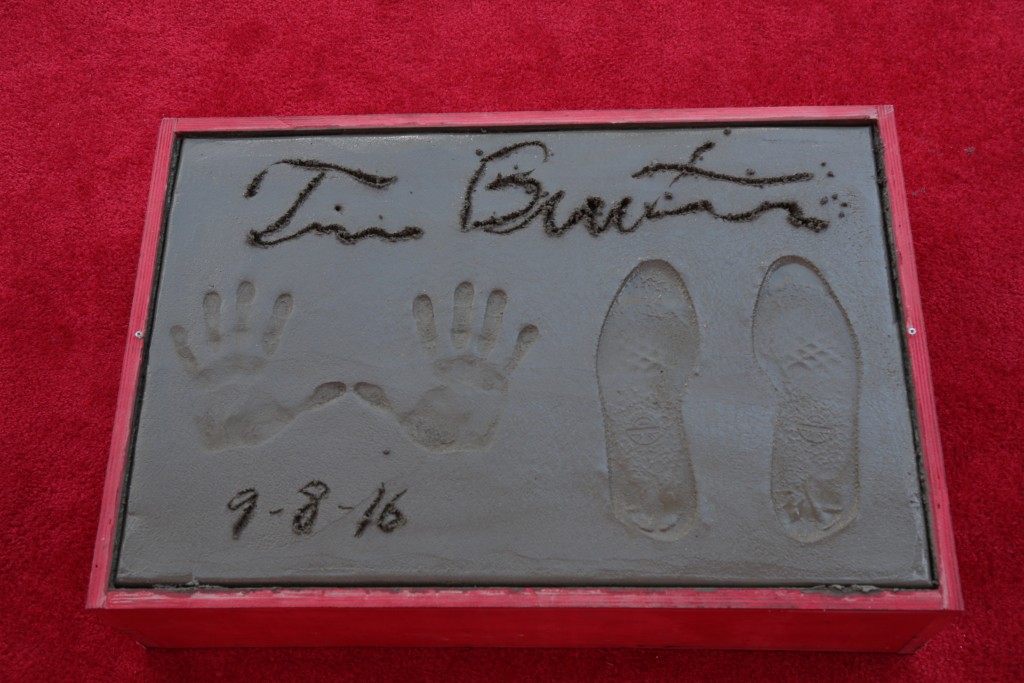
82, 92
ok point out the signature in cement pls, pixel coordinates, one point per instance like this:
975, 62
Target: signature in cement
494, 178
281, 229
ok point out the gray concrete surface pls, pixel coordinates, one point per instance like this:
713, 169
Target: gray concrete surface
508, 423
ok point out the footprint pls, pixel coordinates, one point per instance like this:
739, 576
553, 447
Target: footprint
804, 342
646, 354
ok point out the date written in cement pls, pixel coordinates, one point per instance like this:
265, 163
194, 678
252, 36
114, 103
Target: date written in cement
388, 519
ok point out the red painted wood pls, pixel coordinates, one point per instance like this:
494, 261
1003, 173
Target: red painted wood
103, 554
501, 598
490, 119
411, 627
757, 618
921, 374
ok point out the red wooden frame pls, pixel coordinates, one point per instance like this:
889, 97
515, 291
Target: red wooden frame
750, 618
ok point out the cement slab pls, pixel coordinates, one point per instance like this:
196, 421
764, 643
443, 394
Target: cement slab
613, 357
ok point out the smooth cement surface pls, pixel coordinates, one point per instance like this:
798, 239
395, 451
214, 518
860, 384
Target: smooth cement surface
661, 357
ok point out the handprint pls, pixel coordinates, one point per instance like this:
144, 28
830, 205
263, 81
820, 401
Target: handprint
460, 413
234, 410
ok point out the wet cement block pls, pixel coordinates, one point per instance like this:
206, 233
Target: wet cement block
658, 357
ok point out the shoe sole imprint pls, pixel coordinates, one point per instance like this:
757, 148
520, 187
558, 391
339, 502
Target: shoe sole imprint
646, 354
804, 342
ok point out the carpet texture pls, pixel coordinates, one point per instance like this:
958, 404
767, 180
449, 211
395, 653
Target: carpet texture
83, 87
